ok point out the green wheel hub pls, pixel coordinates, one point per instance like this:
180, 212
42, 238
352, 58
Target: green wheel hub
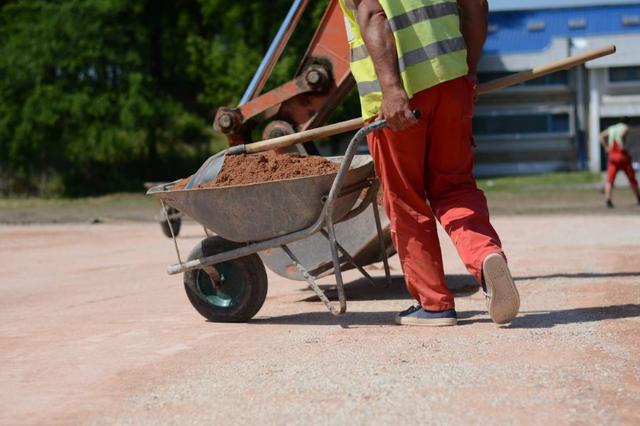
225, 292
231, 291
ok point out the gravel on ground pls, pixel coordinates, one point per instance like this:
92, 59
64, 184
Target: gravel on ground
93, 331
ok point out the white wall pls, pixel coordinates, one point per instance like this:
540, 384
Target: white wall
595, 84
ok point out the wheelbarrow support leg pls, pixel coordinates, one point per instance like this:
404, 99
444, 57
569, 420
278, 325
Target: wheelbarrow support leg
312, 283
173, 235
383, 249
336, 265
350, 259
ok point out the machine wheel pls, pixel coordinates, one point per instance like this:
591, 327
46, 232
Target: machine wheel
238, 290
175, 223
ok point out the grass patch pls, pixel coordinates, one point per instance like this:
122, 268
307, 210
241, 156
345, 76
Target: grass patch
119, 199
121, 206
543, 183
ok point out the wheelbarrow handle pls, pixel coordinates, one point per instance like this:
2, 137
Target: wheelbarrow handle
376, 125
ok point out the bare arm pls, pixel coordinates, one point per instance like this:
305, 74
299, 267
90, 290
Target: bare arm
603, 140
381, 45
474, 20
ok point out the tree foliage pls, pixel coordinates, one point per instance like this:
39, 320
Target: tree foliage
100, 95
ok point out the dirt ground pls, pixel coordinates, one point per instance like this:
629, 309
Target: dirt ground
93, 331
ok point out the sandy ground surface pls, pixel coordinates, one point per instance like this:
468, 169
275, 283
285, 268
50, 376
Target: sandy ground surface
93, 331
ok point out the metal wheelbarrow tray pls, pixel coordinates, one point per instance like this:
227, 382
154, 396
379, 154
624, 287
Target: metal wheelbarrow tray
277, 207
224, 277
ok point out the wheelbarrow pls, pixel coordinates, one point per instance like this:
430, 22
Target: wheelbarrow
225, 278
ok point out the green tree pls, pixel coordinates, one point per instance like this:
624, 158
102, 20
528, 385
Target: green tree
100, 95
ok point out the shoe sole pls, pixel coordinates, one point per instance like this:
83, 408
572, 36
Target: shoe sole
436, 322
504, 301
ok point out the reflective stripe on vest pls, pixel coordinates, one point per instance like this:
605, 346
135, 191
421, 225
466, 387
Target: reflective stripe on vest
615, 134
431, 49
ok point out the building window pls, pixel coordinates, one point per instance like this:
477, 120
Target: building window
560, 78
624, 75
631, 21
577, 23
522, 124
536, 26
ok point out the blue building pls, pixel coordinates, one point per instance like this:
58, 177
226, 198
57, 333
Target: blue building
553, 123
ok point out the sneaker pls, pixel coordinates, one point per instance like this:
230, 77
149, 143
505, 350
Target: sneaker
503, 300
415, 315
610, 204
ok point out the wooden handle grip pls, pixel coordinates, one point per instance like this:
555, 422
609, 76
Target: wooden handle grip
305, 136
501, 83
543, 70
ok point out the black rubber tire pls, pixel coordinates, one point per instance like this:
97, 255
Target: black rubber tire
175, 223
245, 275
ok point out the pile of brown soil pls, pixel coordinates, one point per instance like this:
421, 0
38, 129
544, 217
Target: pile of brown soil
181, 184
269, 166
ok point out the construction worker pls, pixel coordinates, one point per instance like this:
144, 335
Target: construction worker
423, 55
614, 140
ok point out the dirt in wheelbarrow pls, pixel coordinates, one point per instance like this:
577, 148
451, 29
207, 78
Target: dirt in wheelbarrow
269, 166
181, 184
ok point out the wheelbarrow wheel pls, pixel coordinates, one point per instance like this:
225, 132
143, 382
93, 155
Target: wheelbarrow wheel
237, 289
176, 222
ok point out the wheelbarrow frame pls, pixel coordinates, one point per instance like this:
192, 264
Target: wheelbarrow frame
325, 225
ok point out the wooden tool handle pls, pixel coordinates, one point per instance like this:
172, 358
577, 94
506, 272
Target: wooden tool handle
501, 83
305, 136
543, 70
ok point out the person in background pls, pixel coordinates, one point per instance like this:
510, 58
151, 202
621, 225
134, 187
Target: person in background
614, 141
423, 55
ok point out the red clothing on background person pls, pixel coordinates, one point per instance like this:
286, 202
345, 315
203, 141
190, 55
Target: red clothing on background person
619, 159
613, 140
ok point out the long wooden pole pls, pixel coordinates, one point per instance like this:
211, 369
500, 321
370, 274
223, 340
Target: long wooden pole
543, 70
501, 83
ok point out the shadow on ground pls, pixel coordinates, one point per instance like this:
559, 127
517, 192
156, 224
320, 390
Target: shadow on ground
574, 316
362, 289
532, 320
350, 319
580, 275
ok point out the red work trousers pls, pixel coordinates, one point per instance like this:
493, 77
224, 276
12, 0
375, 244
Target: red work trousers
619, 159
432, 162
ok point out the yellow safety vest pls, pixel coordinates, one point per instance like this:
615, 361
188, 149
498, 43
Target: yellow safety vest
431, 49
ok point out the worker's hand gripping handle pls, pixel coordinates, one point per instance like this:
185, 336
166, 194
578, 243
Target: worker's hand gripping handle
382, 124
